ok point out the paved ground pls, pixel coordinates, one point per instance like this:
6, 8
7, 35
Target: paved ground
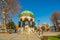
51, 33
19, 36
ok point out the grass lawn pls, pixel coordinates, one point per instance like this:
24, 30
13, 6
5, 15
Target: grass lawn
54, 38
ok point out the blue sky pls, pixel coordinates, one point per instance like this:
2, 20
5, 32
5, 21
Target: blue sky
42, 9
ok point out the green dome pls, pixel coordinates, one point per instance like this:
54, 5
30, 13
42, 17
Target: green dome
27, 12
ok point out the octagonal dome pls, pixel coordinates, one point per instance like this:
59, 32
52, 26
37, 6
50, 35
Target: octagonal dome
27, 12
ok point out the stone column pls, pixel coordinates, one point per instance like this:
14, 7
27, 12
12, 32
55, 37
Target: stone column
29, 23
32, 24
23, 23
19, 23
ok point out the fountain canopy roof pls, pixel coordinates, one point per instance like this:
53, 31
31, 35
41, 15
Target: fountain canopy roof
27, 13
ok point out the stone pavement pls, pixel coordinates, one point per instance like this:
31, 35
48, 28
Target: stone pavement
18, 37
51, 33
32, 36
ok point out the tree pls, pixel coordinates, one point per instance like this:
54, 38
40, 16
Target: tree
54, 18
10, 25
8, 7
47, 27
43, 28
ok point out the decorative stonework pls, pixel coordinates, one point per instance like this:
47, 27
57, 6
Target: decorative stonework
26, 16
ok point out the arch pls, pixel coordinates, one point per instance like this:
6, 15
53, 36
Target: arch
26, 16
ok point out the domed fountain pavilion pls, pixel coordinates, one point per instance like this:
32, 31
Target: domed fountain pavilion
26, 18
